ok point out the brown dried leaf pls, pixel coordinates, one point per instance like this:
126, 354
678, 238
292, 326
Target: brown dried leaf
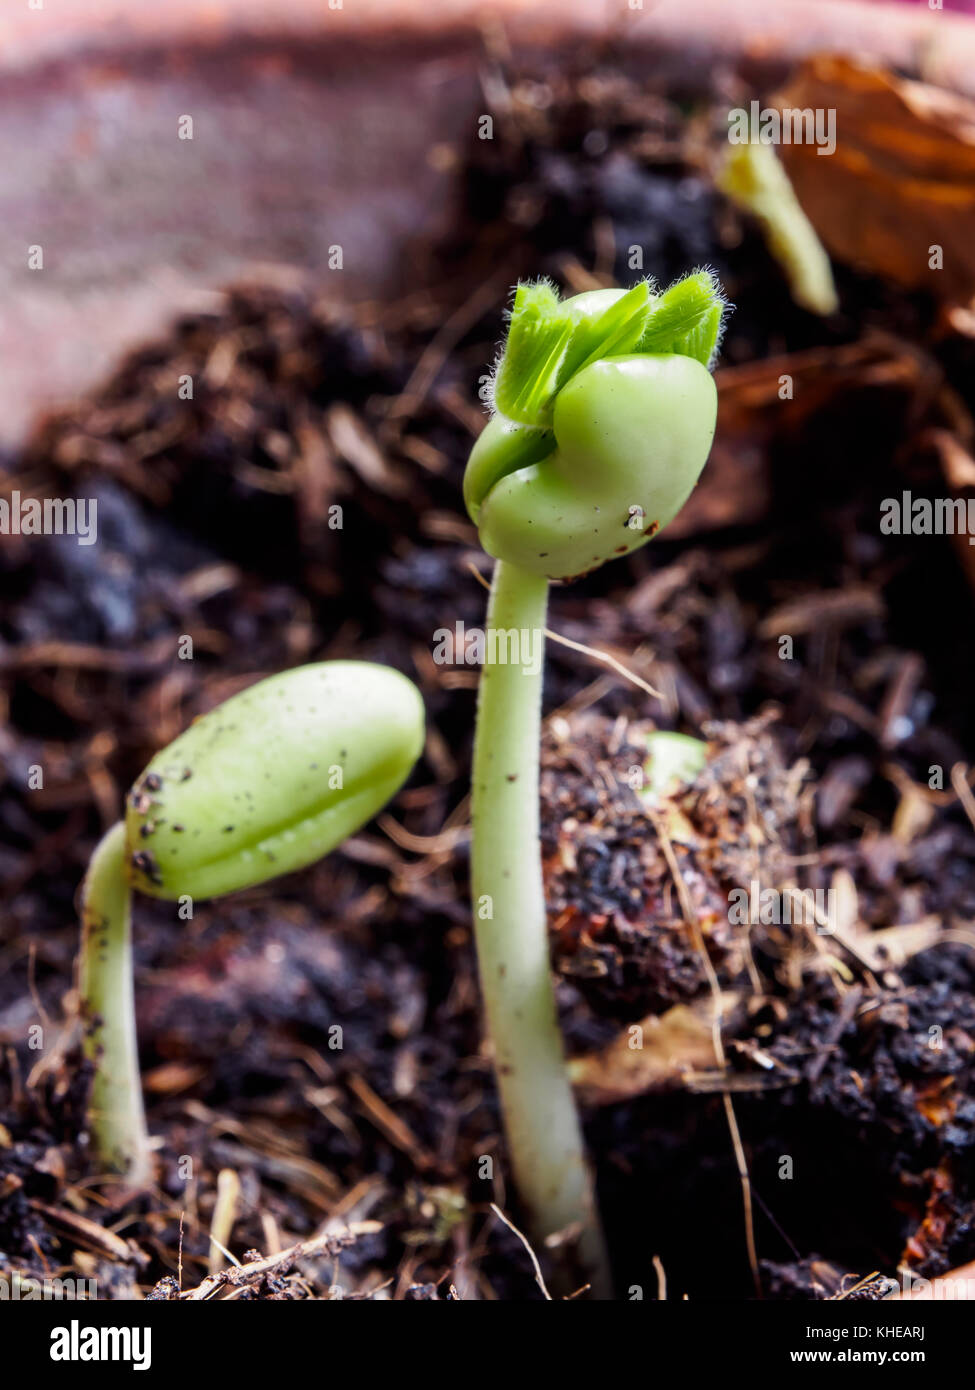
901, 180
674, 1044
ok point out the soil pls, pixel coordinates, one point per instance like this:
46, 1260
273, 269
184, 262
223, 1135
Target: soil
849, 1058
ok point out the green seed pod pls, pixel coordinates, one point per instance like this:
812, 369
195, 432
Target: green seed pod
606, 416
273, 779
632, 434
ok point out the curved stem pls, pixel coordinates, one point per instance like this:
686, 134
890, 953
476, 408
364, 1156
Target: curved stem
117, 1118
540, 1118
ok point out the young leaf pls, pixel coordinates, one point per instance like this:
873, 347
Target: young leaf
538, 336
613, 333
686, 318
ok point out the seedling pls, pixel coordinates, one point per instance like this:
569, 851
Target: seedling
266, 783
673, 760
604, 415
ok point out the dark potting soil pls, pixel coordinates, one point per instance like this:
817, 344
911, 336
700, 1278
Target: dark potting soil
217, 523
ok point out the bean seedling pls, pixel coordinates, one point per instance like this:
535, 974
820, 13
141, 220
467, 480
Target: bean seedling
604, 415
266, 783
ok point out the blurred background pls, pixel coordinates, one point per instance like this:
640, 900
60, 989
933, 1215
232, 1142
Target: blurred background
312, 126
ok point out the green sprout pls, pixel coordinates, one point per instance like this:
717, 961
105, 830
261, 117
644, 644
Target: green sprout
266, 783
673, 759
755, 179
605, 413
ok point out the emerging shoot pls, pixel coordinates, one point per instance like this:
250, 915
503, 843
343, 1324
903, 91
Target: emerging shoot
755, 179
605, 412
673, 759
266, 783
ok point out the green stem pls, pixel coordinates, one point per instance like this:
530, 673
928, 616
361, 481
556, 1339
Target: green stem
117, 1118
541, 1122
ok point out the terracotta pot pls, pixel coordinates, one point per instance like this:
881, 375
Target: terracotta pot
312, 128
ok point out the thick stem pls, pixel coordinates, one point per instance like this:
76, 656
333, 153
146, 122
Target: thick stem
117, 1118
541, 1122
